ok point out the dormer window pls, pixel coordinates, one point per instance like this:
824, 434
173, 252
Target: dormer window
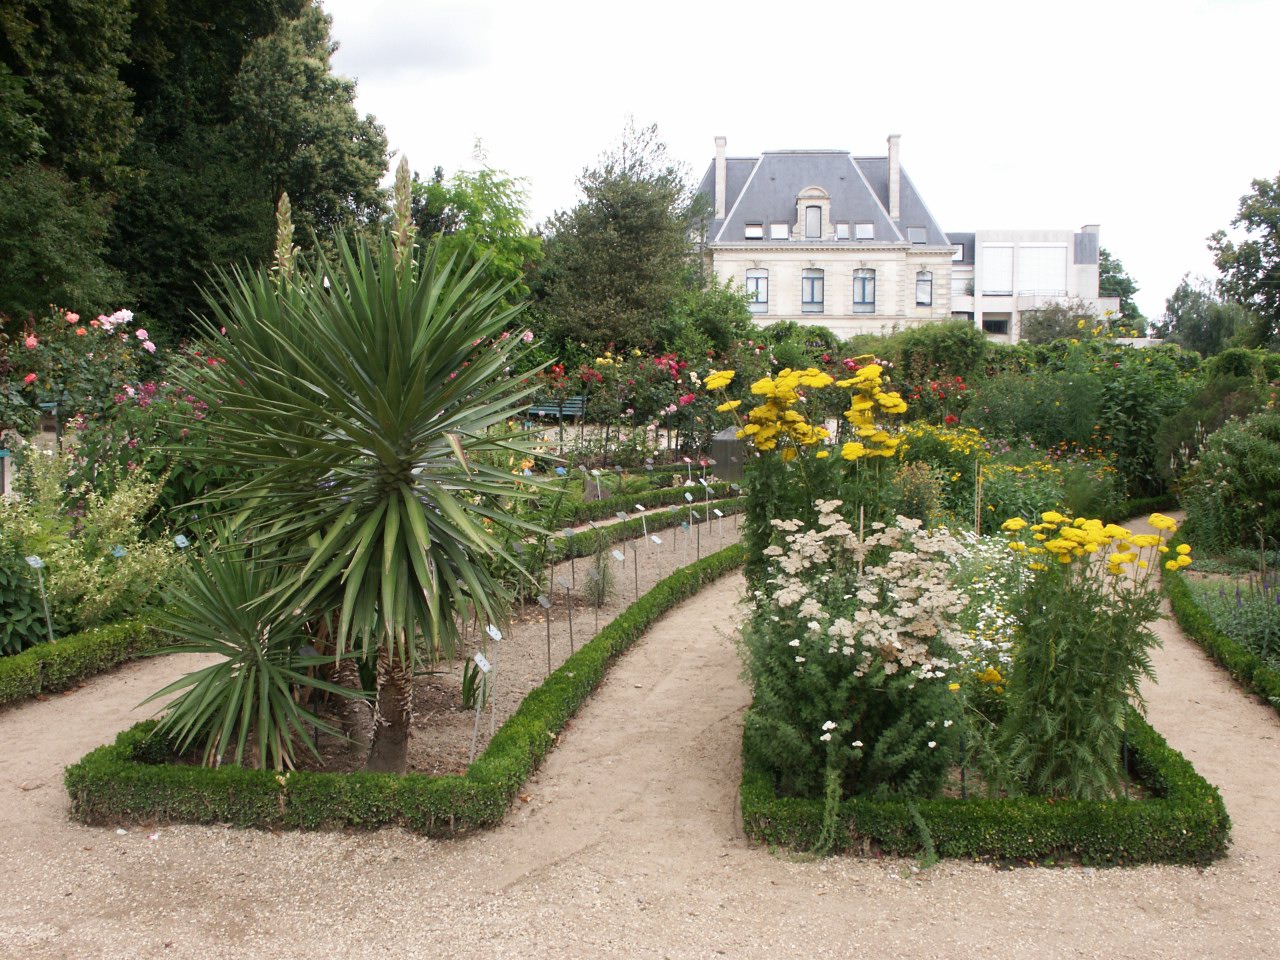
864, 231
842, 230
779, 231
813, 214
754, 231
917, 235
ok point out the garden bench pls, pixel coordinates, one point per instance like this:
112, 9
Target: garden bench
573, 407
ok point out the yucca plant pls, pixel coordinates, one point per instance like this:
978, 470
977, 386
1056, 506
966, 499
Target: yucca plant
356, 394
244, 709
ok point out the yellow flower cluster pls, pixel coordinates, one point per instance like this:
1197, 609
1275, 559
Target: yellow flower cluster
1063, 539
775, 419
608, 360
718, 379
869, 400
962, 441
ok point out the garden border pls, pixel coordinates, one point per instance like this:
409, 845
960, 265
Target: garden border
50, 667
128, 782
1241, 663
1186, 822
584, 542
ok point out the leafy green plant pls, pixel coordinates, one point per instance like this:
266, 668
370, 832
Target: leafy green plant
356, 394
245, 708
1248, 613
1232, 496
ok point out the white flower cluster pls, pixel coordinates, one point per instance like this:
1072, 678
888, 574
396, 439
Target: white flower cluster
896, 614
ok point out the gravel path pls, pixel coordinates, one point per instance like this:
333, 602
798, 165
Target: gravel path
628, 845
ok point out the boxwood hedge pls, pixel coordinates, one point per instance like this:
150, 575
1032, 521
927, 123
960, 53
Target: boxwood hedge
1183, 819
49, 667
129, 781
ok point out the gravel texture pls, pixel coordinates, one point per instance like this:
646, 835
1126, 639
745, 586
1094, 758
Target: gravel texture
627, 845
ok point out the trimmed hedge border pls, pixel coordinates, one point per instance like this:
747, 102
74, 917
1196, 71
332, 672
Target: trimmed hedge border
583, 543
665, 496
116, 783
50, 667
1185, 821
1244, 666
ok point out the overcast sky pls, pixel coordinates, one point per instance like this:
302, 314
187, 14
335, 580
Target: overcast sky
1149, 118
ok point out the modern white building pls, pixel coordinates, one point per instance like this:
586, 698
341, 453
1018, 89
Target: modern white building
826, 237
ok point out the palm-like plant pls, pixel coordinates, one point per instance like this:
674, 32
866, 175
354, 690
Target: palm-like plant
245, 707
356, 394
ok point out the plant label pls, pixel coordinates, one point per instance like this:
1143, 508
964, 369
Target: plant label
717, 513
621, 514
543, 602
618, 555
567, 531
482, 662
181, 542
640, 507
689, 497
34, 562
118, 552
703, 481
563, 584
656, 539
494, 633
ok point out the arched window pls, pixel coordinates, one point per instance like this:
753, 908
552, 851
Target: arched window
924, 289
864, 291
811, 291
758, 291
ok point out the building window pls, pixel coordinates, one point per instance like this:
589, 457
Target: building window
997, 270
864, 231
758, 291
997, 323
917, 235
924, 289
864, 291
813, 223
779, 231
842, 231
958, 255
811, 291
755, 231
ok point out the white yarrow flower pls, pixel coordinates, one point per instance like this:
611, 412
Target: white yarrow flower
829, 725
932, 744
857, 743
825, 736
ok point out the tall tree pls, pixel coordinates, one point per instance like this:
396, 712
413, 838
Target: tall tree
300, 125
479, 212
1114, 281
1195, 318
1251, 268
615, 262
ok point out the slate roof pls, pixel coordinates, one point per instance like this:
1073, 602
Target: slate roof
764, 189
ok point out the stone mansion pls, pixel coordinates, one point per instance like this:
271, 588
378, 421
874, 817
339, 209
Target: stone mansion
824, 237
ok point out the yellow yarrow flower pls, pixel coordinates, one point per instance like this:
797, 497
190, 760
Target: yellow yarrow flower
718, 379
1013, 524
729, 405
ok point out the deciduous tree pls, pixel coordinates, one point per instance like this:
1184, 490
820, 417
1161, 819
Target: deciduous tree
1251, 268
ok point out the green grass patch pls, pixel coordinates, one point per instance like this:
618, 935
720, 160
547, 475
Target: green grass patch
130, 781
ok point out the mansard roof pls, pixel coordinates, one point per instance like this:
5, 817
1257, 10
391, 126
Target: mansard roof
764, 189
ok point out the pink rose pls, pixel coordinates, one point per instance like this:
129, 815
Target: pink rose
527, 336
29, 379
31, 342
141, 334
72, 317
148, 346
687, 399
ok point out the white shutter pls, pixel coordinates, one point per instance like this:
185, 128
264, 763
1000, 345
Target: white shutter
1042, 269
997, 268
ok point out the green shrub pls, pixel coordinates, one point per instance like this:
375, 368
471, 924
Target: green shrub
1044, 407
46, 668
1232, 496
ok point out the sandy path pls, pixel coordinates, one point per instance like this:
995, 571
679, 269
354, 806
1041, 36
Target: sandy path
628, 846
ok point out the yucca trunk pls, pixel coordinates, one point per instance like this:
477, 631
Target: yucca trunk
393, 713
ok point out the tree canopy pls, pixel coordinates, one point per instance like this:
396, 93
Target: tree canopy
1195, 318
616, 262
1114, 281
1250, 269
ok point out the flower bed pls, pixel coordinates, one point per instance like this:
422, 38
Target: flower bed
1182, 821
129, 781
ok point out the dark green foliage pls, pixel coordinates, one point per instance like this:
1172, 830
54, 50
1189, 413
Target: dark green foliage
1057, 321
1232, 496
1196, 319
124, 782
22, 621
1251, 269
1184, 821
937, 350
1243, 664
46, 668
1114, 281
1223, 398
1046, 407
1237, 363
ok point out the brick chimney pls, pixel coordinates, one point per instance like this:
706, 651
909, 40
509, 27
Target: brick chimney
722, 168
895, 178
